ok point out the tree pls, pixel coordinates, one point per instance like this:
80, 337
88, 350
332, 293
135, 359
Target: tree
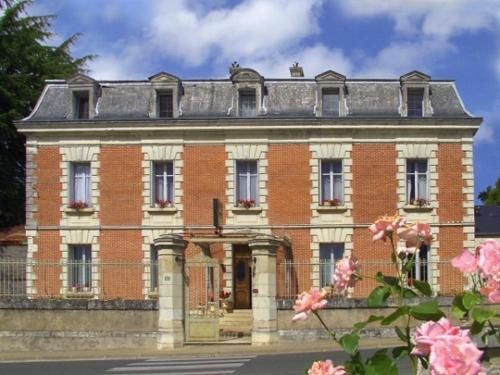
25, 63
491, 196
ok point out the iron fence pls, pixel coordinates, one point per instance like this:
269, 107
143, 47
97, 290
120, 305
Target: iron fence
295, 277
78, 279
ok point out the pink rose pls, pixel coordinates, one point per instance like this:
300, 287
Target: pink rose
489, 259
416, 234
456, 355
465, 262
491, 290
345, 273
427, 333
326, 368
385, 226
307, 302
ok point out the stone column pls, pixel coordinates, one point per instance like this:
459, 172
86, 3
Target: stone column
171, 249
265, 327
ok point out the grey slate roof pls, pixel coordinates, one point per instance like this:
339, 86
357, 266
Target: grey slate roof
487, 221
214, 98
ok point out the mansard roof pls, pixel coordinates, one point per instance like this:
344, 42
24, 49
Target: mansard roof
214, 98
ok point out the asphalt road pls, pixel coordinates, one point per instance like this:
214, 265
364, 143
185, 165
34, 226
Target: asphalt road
237, 365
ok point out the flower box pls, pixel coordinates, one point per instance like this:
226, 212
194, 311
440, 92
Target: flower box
163, 203
246, 203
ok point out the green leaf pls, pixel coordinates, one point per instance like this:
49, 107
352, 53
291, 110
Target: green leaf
457, 307
399, 352
476, 327
361, 325
428, 310
403, 310
378, 296
481, 315
423, 287
400, 334
350, 343
382, 364
387, 280
470, 299
408, 266
408, 293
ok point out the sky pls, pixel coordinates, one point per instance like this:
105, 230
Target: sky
447, 39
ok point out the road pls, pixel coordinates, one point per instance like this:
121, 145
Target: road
237, 365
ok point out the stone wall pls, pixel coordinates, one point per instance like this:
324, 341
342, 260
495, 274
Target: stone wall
63, 325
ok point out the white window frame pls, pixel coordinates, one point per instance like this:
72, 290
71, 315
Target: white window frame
414, 89
327, 266
413, 176
415, 271
331, 174
248, 176
246, 91
86, 184
81, 267
167, 189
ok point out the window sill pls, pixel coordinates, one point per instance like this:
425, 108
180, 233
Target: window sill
82, 294
153, 295
337, 209
249, 210
162, 211
79, 211
412, 208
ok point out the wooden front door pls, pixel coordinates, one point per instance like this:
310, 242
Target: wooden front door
242, 276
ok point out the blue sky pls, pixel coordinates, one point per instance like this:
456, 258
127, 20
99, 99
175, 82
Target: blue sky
447, 39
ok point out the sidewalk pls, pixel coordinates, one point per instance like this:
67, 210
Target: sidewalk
189, 351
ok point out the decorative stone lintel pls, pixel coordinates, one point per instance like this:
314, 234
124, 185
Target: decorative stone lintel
265, 242
170, 244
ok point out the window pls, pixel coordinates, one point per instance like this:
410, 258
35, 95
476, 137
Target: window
330, 102
415, 102
165, 104
329, 254
163, 188
154, 268
331, 181
416, 181
80, 184
247, 103
80, 268
420, 269
82, 105
246, 181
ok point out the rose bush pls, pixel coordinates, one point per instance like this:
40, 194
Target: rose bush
436, 345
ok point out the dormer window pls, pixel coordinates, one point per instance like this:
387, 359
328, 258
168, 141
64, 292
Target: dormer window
415, 102
247, 103
415, 95
330, 102
165, 104
331, 95
82, 107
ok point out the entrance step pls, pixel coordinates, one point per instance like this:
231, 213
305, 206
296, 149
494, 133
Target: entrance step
237, 323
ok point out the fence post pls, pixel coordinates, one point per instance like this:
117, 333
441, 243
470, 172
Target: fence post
265, 327
170, 290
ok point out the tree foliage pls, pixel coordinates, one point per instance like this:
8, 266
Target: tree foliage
26, 61
491, 196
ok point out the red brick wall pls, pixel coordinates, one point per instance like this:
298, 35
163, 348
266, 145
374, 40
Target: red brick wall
450, 182
48, 271
451, 244
121, 185
289, 184
121, 255
48, 186
374, 181
204, 179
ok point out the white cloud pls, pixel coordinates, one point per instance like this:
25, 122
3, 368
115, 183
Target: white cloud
401, 57
314, 60
252, 29
438, 18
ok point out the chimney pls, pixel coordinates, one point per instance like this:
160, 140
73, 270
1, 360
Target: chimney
296, 71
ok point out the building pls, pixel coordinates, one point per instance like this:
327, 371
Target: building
487, 223
113, 165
